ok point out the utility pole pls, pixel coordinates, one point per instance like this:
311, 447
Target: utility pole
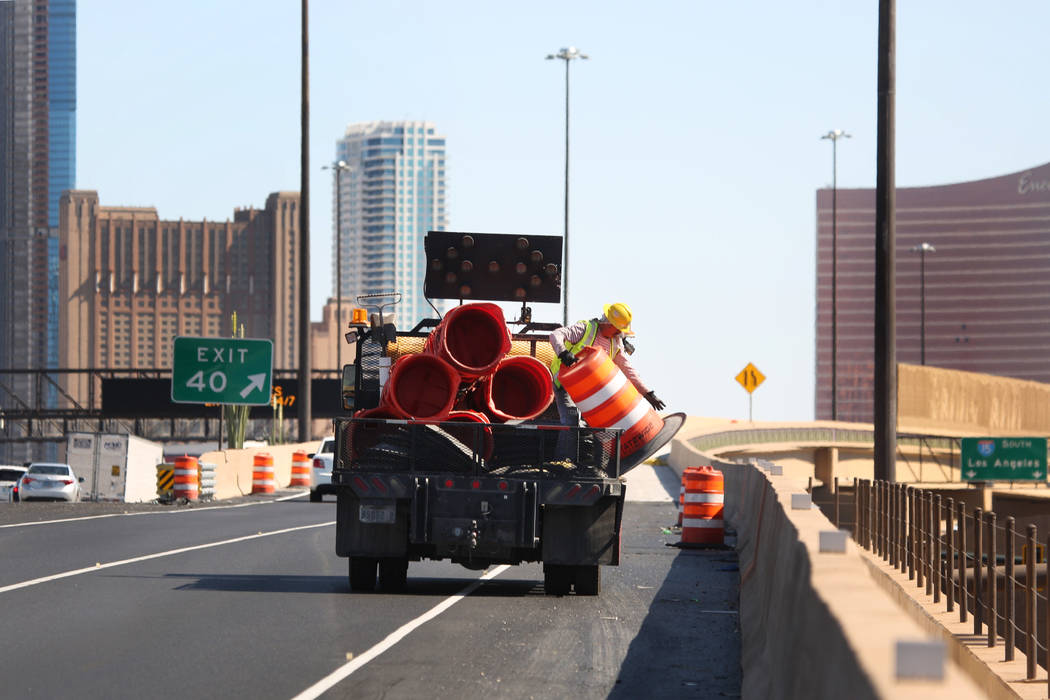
305, 367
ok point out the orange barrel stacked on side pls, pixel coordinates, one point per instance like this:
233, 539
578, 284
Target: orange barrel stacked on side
703, 504
300, 469
262, 474
186, 478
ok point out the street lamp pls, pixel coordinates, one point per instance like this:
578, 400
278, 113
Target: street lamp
337, 169
922, 249
834, 136
566, 55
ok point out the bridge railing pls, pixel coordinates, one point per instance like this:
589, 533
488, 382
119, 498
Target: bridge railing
964, 560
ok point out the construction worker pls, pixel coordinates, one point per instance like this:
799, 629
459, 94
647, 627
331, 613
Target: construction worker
607, 333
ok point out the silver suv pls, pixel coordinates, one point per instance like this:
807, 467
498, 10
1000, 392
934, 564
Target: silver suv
322, 469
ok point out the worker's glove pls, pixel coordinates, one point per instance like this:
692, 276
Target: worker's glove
656, 402
567, 358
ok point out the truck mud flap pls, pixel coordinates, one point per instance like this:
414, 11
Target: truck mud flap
365, 529
583, 535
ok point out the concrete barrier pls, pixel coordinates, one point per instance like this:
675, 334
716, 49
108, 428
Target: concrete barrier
233, 468
815, 624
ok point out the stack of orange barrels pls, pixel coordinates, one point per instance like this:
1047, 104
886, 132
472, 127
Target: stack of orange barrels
703, 503
300, 469
263, 474
465, 366
186, 478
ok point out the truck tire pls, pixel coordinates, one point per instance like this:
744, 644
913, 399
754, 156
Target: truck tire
316, 496
556, 579
363, 573
393, 573
588, 580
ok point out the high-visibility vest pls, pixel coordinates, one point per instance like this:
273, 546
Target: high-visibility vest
589, 334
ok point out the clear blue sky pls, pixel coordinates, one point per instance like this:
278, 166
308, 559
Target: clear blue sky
695, 138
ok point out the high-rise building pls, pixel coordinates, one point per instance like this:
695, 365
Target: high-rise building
982, 285
37, 164
391, 191
132, 282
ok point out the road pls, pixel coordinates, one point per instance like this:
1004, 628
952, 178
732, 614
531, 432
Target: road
250, 600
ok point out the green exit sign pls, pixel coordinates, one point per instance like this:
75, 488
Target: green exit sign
1003, 459
222, 370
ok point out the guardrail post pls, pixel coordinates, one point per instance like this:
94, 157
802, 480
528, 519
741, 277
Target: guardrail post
902, 496
910, 542
1009, 603
930, 570
963, 602
949, 559
835, 481
921, 521
938, 563
1047, 616
978, 562
858, 489
993, 580
1029, 601
894, 516
902, 519
878, 517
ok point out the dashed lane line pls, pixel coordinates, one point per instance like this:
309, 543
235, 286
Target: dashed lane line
171, 552
329, 681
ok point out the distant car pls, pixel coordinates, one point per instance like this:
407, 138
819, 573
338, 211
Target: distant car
9, 476
49, 481
322, 469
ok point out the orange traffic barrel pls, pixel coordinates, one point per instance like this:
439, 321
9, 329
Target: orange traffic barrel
472, 338
421, 387
262, 474
681, 494
702, 507
300, 469
187, 478
520, 388
607, 399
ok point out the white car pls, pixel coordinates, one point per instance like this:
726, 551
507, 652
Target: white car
49, 481
322, 469
9, 477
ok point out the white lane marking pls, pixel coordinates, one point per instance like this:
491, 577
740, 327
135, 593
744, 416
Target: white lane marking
156, 512
393, 638
157, 555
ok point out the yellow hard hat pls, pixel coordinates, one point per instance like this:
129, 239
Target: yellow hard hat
619, 315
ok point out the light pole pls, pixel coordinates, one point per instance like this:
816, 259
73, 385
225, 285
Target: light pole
834, 135
566, 55
337, 169
922, 249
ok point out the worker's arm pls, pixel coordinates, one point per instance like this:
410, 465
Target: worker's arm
628, 370
567, 335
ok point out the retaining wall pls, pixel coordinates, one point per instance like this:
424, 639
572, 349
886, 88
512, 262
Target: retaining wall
813, 625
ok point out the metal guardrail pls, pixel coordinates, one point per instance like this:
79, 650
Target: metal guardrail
955, 556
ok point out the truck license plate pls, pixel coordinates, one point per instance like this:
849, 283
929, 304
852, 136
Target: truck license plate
384, 515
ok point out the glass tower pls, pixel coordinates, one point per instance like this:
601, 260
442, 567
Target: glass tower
390, 193
37, 164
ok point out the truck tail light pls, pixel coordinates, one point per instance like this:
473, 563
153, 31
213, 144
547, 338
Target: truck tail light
318, 463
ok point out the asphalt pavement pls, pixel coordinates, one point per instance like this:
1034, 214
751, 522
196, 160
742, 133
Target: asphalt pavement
248, 598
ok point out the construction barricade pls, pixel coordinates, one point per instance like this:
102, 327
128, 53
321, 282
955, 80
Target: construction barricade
165, 482
703, 503
263, 474
300, 469
187, 478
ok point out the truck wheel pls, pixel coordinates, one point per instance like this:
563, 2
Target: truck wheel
393, 574
362, 574
315, 496
588, 580
556, 579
